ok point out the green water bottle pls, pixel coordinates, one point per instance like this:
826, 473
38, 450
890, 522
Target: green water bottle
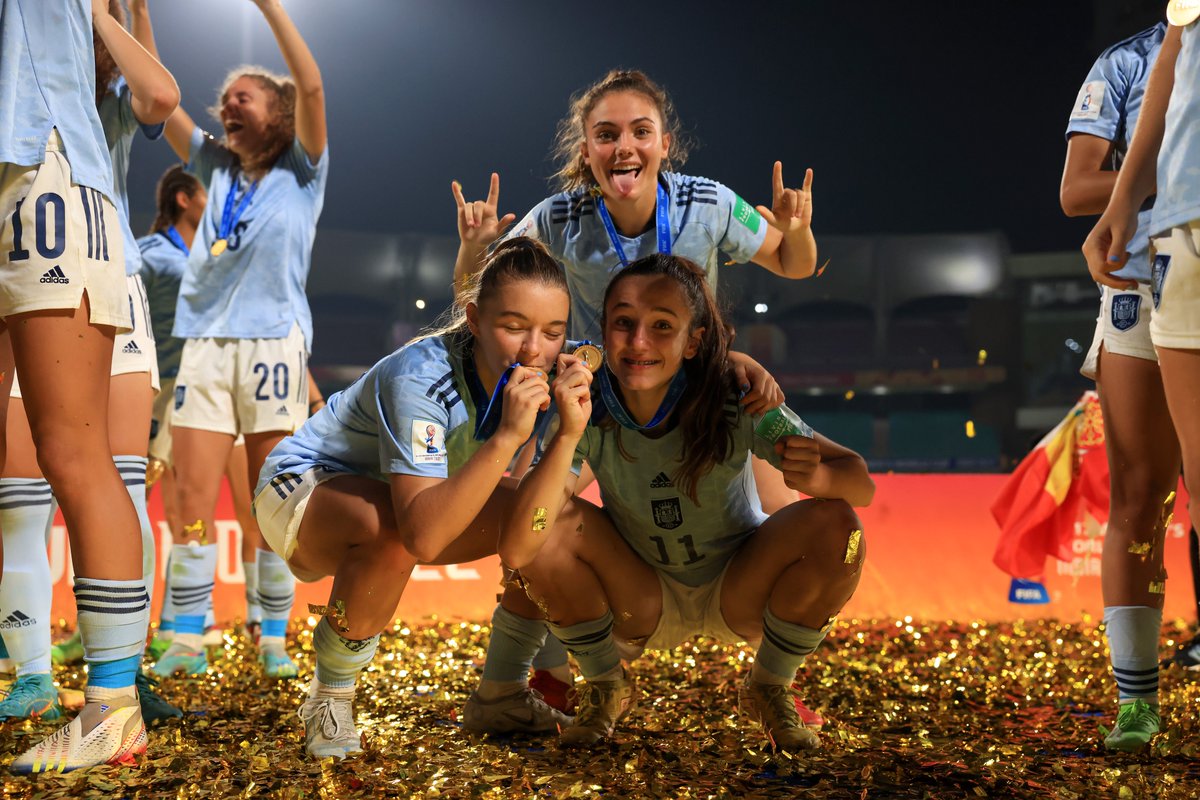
780, 422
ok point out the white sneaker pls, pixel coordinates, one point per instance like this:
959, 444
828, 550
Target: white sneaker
116, 737
523, 711
329, 725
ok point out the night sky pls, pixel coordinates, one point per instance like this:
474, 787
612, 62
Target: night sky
918, 117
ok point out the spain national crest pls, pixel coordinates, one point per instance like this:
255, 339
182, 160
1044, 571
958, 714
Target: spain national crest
667, 513
1125, 311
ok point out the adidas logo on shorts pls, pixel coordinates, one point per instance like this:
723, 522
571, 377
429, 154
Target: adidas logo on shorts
661, 481
55, 275
131, 349
282, 412
16, 620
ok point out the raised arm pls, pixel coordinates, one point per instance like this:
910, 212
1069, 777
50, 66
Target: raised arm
789, 249
432, 512
819, 467
1105, 246
479, 224
155, 93
546, 488
310, 91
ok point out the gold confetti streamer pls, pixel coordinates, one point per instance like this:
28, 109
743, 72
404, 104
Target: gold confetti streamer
981, 359
539, 519
849, 395
821, 269
852, 545
336, 612
199, 529
970, 429
1158, 587
1140, 548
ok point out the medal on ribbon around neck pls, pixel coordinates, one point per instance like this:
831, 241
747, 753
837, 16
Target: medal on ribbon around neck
218, 247
1183, 12
230, 216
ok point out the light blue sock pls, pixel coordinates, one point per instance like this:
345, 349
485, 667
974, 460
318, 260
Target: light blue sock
592, 644
113, 618
784, 647
339, 660
250, 575
1132, 633
193, 567
552, 655
166, 620
25, 589
133, 473
276, 593
514, 642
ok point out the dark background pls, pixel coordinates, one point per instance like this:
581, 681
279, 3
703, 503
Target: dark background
918, 117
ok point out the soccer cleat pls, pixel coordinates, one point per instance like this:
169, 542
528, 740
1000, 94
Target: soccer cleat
774, 707
523, 711
329, 725
31, 697
556, 693
117, 736
69, 651
276, 662
1188, 655
1137, 722
179, 659
809, 718
154, 708
157, 647
601, 706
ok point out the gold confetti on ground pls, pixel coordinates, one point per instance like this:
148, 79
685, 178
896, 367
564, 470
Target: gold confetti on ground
915, 710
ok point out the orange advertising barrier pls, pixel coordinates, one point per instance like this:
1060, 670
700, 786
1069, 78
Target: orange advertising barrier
929, 540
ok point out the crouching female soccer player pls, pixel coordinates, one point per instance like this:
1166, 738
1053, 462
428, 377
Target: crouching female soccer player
407, 465
681, 546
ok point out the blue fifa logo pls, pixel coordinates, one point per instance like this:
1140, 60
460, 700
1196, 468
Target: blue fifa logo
1158, 276
180, 392
1125, 311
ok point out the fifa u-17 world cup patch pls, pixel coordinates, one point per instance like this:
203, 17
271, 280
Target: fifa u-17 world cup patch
1125, 310
526, 227
747, 214
1158, 276
428, 442
1090, 101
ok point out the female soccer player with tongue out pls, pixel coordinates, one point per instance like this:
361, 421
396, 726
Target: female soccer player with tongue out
621, 200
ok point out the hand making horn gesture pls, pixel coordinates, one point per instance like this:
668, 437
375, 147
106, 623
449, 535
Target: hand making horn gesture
791, 209
479, 223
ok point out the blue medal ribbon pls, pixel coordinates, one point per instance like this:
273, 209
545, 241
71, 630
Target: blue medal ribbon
175, 239
616, 408
487, 422
662, 216
231, 215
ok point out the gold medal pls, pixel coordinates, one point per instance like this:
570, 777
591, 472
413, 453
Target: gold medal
591, 356
218, 247
1183, 12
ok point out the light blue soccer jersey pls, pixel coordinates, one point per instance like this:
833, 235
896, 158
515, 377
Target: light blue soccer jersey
1108, 106
691, 542
163, 265
413, 413
47, 81
255, 288
1179, 159
706, 218
120, 126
